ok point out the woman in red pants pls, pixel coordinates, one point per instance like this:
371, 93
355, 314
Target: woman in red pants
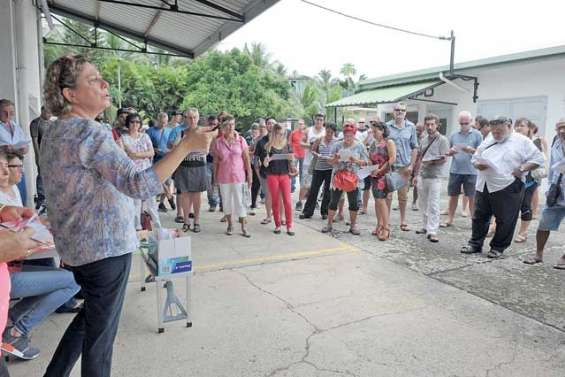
279, 163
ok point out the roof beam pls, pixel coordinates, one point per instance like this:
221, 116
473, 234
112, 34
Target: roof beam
121, 30
221, 9
171, 8
152, 23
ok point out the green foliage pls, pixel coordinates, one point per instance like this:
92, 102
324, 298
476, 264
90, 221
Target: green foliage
246, 83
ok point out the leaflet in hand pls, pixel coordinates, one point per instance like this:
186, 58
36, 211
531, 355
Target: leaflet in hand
489, 163
41, 233
459, 147
366, 171
281, 156
432, 158
345, 155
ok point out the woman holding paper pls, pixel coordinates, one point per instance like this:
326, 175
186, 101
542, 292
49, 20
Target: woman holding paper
89, 184
348, 156
322, 150
232, 172
279, 163
382, 153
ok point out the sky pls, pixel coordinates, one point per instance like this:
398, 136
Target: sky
309, 39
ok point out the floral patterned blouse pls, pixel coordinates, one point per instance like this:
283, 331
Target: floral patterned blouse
89, 182
378, 153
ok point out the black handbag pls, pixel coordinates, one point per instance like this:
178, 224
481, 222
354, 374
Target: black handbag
554, 192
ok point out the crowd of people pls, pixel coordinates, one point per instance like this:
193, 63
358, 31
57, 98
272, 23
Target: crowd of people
98, 184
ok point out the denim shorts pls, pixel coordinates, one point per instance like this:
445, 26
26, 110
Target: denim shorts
468, 182
551, 217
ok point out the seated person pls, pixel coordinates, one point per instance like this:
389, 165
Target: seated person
41, 289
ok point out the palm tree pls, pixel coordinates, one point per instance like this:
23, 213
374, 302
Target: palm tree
258, 54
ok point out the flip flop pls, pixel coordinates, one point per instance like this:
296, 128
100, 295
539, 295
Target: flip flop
445, 225
559, 266
520, 238
265, 221
433, 238
532, 260
404, 227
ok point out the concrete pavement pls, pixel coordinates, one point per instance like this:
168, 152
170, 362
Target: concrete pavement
316, 305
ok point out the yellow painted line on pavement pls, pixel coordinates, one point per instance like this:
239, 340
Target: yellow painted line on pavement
344, 248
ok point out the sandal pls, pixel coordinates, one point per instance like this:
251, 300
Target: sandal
468, 249
179, 219
196, 228
404, 227
384, 234
495, 254
185, 227
532, 260
265, 221
277, 230
520, 238
377, 230
421, 231
327, 229
445, 225
433, 238
354, 230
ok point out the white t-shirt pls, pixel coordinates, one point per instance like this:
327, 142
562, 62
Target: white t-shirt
311, 136
13, 199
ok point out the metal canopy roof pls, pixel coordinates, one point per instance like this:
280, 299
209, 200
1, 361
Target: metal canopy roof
185, 27
385, 95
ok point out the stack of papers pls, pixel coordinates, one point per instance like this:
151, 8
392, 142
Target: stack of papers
40, 232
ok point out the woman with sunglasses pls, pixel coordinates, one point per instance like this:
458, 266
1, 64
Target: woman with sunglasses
139, 148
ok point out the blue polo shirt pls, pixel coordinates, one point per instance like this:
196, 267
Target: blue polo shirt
461, 161
159, 138
405, 139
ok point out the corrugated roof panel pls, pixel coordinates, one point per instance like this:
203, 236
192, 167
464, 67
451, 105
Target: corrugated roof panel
383, 95
177, 32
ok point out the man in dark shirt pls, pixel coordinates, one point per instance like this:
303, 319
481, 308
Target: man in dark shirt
37, 127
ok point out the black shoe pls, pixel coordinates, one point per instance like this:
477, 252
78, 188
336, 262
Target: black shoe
162, 208
179, 220
303, 216
324, 217
172, 204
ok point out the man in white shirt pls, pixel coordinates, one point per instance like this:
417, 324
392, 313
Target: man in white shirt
503, 160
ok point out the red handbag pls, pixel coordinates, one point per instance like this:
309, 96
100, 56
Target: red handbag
345, 180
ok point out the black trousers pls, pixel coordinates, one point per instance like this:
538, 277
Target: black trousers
320, 177
255, 188
351, 199
526, 208
92, 331
504, 205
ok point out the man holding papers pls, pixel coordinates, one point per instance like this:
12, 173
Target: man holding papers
431, 168
503, 160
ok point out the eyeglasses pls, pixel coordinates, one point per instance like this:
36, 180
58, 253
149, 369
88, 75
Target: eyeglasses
15, 166
400, 110
464, 123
